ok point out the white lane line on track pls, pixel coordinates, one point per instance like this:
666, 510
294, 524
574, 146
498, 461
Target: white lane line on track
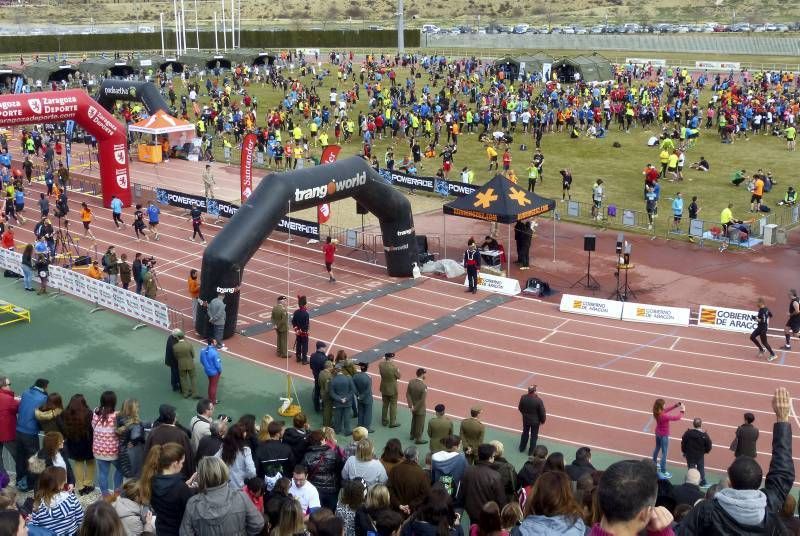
652, 371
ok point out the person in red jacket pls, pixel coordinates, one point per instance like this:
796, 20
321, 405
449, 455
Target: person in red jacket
329, 249
8, 419
663, 417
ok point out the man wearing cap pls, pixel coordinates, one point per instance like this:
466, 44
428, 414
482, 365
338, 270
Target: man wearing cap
389, 376
415, 398
317, 362
184, 355
439, 428
325, 378
343, 396
171, 362
363, 385
300, 323
472, 431
280, 321
533, 415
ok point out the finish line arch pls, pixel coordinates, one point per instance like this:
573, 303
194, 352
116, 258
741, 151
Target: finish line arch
76, 105
112, 90
226, 256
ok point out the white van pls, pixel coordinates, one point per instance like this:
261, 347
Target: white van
430, 28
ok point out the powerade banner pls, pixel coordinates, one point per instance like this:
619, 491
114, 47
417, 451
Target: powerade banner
217, 207
246, 166
68, 131
427, 184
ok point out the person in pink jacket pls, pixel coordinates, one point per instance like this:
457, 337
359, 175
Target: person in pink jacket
662, 417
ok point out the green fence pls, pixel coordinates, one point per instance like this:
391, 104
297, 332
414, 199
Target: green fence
249, 39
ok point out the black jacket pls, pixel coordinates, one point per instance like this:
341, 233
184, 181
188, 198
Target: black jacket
169, 496
169, 355
578, 469
532, 409
746, 439
481, 483
317, 362
297, 440
324, 468
208, 446
272, 456
695, 444
708, 518
687, 494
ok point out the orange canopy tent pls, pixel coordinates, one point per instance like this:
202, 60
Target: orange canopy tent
161, 123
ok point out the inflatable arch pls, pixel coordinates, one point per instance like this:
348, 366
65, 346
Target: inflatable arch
147, 93
76, 105
227, 254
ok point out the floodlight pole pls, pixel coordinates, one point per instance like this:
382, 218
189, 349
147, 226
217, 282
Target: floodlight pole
161, 16
401, 45
183, 25
224, 28
216, 38
196, 26
233, 26
177, 28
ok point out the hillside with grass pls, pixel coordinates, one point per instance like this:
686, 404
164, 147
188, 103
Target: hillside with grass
353, 13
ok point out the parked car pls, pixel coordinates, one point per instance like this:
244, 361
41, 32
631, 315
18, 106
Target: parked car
521, 28
580, 30
430, 28
597, 29
146, 29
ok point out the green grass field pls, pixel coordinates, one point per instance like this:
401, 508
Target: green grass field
620, 168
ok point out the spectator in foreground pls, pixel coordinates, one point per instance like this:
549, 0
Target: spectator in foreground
695, 444
581, 465
626, 496
742, 508
164, 488
551, 508
375, 505
364, 465
136, 518
218, 507
746, 439
102, 520
436, 517
481, 483
237, 456
53, 508
689, 492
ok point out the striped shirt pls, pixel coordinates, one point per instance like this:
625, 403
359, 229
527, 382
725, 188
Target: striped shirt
63, 517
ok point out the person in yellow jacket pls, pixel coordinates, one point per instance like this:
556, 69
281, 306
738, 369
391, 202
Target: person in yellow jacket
491, 153
297, 134
86, 219
323, 139
663, 157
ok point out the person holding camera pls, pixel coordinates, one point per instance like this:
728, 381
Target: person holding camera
62, 205
663, 416
149, 279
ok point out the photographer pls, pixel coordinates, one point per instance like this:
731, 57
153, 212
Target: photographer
149, 278
62, 206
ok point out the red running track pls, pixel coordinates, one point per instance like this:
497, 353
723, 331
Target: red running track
598, 377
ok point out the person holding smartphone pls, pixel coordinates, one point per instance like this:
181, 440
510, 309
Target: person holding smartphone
663, 416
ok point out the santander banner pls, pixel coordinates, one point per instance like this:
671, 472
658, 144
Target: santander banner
76, 105
329, 155
246, 166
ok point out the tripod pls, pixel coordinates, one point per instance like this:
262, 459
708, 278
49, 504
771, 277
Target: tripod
65, 244
588, 281
624, 290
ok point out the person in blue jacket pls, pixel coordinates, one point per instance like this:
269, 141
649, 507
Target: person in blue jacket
28, 429
212, 365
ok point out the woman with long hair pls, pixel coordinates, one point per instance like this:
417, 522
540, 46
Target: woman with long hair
663, 416
101, 520
54, 509
489, 522
290, 521
135, 516
554, 462
263, 434
27, 267
76, 421
324, 468
248, 421
392, 454
47, 414
376, 501
131, 438
237, 456
52, 454
219, 508
436, 516
163, 487
279, 495
105, 443
12, 523
364, 465
551, 508
350, 500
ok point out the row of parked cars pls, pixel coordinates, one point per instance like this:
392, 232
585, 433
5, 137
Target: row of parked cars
631, 27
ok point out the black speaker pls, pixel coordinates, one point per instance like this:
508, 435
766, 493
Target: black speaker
422, 243
361, 209
589, 242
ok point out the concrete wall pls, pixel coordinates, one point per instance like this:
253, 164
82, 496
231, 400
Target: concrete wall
636, 43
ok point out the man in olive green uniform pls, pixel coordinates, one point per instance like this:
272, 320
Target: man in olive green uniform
439, 427
184, 355
280, 321
325, 378
389, 376
415, 397
472, 431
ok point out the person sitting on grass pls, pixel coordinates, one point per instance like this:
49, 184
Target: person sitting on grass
739, 177
701, 165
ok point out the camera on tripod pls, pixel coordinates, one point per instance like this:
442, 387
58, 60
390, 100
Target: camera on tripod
150, 262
